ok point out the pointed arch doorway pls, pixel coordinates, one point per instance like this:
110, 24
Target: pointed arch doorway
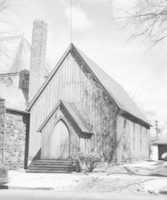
59, 142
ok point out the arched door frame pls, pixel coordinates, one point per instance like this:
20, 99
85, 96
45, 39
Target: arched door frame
61, 119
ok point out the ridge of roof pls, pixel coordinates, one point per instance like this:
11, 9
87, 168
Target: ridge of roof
114, 89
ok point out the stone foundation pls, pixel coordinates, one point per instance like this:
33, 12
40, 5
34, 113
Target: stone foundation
15, 132
13, 126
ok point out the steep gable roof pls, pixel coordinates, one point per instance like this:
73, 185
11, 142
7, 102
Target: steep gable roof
74, 114
116, 92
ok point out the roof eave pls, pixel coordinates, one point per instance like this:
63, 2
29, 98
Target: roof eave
60, 103
134, 118
12, 110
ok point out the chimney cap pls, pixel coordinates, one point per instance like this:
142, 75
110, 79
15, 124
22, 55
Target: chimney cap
39, 21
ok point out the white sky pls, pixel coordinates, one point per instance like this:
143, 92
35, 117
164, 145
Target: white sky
140, 70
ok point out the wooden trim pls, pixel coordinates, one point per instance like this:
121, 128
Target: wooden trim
75, 125
15, 111
63, 120
48, 117
9, 74
27, 122
69, 116
134, 119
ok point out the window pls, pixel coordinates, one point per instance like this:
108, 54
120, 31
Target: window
141, 135
134, 135
124, 123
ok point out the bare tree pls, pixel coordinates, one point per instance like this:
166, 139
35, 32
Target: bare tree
3, 5
150, 19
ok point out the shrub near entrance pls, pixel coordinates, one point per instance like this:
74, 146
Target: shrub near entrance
88, 161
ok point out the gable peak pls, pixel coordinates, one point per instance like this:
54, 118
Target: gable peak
72, 46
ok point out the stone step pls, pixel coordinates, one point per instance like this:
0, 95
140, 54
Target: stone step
47, 171
54, 160
52, 163
48, 163
52, 166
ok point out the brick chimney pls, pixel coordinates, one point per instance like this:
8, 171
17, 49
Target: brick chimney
38, 55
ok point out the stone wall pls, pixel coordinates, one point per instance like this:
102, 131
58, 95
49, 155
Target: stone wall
15, 133
2, 128
13, 128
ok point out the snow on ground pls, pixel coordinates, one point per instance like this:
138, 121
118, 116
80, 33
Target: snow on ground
93, 182
156, 186
20, 179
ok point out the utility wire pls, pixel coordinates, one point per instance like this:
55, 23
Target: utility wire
71, 21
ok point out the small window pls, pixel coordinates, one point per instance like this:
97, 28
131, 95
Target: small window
141, 139
133, 127
124, 123
134, 136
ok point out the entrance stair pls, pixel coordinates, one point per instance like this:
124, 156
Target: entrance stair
53, 166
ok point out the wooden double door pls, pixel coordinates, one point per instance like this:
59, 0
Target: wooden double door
58, 144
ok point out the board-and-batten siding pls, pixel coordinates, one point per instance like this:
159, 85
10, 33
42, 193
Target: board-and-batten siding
47, 132
71, 84
133, 141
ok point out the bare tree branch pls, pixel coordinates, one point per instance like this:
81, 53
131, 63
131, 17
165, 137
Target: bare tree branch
3, 5
149, 19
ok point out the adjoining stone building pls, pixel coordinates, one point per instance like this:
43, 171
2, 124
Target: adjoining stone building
14, 83
15, 59
76, 108
13, 132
